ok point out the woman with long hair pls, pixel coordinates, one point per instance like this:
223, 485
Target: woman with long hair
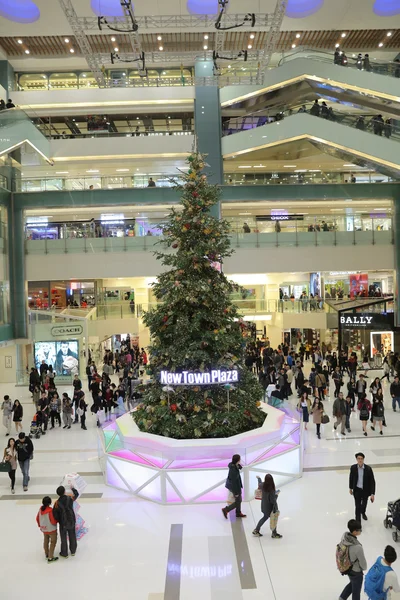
18, 413
317, 411
269, 507
48, 526
10, 455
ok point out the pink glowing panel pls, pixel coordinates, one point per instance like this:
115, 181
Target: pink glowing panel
156, 460
152, 491
255, 455
114, 479
135, 475
218, 494
197, 464
128, 455
294, 438
110, 427
277, 450
191, 484
172, 496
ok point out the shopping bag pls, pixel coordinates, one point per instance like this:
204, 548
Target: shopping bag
325, 419
74, 480
5, 467
231, 498
273, 520
257, 494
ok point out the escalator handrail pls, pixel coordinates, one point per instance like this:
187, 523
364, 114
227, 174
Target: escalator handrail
329, 55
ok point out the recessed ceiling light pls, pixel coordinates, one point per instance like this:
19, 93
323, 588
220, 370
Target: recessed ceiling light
336, 45
389, 33
116, 49
123, 74
343, 35
122, 170
205, 47
159, 38
245, 167
20, 42
71, 50
161, 48
252, 36
66, 40
229, 67
293, 45
113, 39
249, 46
206, 37
93, 171
297, 35
62, 172
27, 51
380, 44
289, 166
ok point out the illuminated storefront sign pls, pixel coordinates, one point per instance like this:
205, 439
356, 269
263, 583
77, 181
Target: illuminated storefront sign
213, 377
366, 321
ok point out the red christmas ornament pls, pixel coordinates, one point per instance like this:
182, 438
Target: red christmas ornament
165, 319
208, 401
247, 413
195, 195
173, 407
175, 245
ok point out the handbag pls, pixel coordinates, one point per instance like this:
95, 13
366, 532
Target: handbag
257, 494
5, 466
325, 420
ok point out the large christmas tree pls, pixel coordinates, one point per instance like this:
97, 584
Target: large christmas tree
196, 338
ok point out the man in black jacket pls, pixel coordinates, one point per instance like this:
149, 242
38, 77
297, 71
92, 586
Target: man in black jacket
63, 512
24, 448
395, 392
234, 485
361, 485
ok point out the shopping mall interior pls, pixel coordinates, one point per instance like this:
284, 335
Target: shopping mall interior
194, 194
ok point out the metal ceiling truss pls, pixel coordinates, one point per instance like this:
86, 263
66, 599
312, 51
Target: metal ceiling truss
132, 30
179, 58
160, 23
272, 38
92, 59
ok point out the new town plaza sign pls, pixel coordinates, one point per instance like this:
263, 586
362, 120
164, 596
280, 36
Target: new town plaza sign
214, 377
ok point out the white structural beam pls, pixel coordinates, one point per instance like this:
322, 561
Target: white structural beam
272, 38
92, 59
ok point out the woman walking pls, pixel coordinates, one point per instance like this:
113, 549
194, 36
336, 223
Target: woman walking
269, 507
48, 526
317, 411
304, 406
10, 455
374, 387
364, 406
386, 369
18, 413
378, 411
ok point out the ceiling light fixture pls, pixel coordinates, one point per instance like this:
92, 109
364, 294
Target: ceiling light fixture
205, 47
66, 40
293, 45
245, 167
252, 36
62, 172
343, 35
289, 166
159, 38
380, 44
27, 51
113, 39
93, 171
122, 170
161, 48
298, 35
20, 42
229, 67
336, 45
71, 50
206, 37
116, 49
389, 33
249, 47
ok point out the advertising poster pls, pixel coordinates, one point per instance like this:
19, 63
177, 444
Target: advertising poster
358, 285
381, 341
315, 284
63, 356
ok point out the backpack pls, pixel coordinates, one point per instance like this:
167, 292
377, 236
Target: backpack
66, 514
375, 580
364, 412
343, 561
379, 410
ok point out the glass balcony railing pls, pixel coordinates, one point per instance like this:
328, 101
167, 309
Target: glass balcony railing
105, 133
364, 122
306, 177
70, 184
371, 65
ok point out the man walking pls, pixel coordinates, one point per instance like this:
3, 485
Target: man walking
355, 555
361, 386
63, 512
394, 392
24, 449
7, 408
339, 411
361, 486
234, 485
381, 580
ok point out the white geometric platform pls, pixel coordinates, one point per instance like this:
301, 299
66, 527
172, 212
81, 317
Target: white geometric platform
170, 471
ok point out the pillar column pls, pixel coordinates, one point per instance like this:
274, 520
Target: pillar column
396, 226
17, 270
207, 114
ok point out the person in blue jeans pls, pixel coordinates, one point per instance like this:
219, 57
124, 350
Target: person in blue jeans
395, 393
24, 448
357, 559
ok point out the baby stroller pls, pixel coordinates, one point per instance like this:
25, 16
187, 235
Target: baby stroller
392, 518
36, 426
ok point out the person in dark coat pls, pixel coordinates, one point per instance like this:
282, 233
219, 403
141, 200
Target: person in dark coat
234, 485
269, 507
63, 512
315, 109
367, 64
361, 486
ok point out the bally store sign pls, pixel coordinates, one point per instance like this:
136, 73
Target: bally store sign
380, 321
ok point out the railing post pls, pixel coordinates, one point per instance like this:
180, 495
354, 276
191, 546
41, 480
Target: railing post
373, 232
65, 244
85, 244
354, 232
297, 239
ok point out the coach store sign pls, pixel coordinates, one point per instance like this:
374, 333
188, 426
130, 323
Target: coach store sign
65, 330
366, 321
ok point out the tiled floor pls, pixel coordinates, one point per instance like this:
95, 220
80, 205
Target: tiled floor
136, 549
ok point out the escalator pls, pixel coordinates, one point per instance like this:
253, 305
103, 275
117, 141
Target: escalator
18, 131
339, 138
306, 75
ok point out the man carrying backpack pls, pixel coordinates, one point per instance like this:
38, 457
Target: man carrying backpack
351, 561
381, 579
63, 512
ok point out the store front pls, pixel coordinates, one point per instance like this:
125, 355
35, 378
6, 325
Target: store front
367, 333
